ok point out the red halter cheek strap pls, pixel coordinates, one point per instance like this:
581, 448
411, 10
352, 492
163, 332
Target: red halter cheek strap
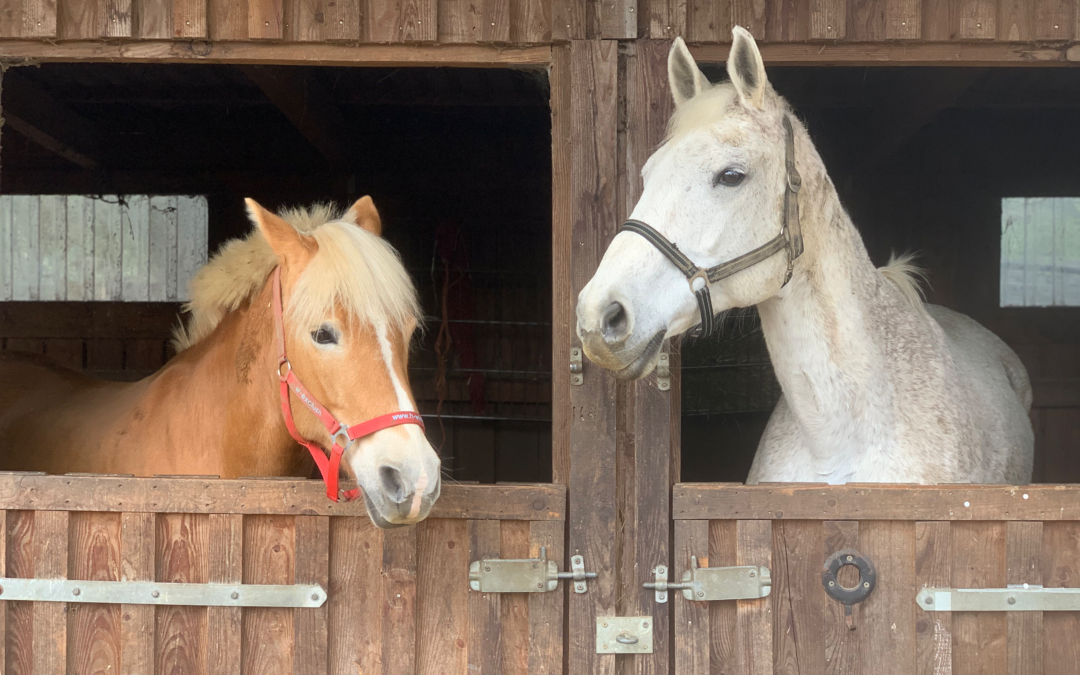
343, 434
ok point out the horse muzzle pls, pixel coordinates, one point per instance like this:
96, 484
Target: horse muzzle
394, 505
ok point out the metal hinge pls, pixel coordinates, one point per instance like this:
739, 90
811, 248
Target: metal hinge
663, 372
534, 575
714, 583
577, 372
154, 593
1014, 598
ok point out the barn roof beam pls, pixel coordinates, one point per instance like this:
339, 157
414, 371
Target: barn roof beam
33, 112
309, 106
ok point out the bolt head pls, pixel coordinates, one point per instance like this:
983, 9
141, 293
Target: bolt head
487, 568
849, 558
1011, 600
154, 594
701, 594
831, 584
866, 584
644, 624
234, 595
605, 625
76, 592
315, 597
753, 574
929, 599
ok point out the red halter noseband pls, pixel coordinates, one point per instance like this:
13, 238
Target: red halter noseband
342, 434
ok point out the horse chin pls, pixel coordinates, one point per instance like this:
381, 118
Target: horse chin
645, 362
377, 518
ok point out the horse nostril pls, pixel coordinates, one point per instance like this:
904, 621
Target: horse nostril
393, 485
616, 323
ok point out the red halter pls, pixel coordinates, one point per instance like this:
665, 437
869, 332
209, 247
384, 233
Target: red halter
342, 434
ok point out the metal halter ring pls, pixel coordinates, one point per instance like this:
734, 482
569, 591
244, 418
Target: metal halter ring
342, 432
283, 375
700, 274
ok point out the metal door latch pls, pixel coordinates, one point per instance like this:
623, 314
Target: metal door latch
714, 583
663, 372
534, 575
577, 372
624, 635
1014, 598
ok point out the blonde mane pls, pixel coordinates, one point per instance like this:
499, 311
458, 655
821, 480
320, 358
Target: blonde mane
902, 271
353, 269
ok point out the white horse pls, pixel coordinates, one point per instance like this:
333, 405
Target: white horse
877, 386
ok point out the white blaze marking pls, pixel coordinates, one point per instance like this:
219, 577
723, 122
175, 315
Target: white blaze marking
403, 404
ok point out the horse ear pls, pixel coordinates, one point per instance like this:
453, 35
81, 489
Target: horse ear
282, 237
746, 69
366, 215
684, 77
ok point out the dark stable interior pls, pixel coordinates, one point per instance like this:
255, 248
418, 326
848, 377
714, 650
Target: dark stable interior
921, 158
458, 162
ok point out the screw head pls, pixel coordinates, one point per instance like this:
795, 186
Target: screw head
154, 594
1011, 600
701, 594
831, 584
487, 568
644, 624
866, 584
76, 592
234, 595
315, 597
753, 574
929, 599
849, 558
605, 625
539, 585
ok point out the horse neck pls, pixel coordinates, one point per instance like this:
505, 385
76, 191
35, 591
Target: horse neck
228, 382
822, 330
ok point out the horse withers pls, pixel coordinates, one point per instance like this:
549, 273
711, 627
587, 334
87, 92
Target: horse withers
310, 298
738, 210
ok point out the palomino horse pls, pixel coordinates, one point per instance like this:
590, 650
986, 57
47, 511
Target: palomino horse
327, 291
877, 386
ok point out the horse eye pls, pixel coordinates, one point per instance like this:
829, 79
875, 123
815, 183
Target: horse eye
728, 178
325, 336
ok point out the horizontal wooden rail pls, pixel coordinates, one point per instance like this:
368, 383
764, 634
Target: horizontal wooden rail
88, 320
734, 501
259, 496
895, 53
308, 53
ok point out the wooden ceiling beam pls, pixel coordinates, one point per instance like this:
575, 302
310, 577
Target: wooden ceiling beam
309, 106
33, 112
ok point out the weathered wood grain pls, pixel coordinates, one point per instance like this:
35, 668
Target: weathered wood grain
1061, 569
402, 20
975, 19
725, 652
322, 20
1055, 19
886, 628
530, 21
226, 565
52, 243
751, 15
903, 19
788, 20
485, 637
269, 558
1016, 20
227, 19
754, 618
137, 552
50, 562
154, 19
399, 557
841, 653
182, 557
866, 20
94, 645
135, 249
4, 611
562, 251
933, 569
708, 20
546, 609
691, 618
513, 622
798, 635
1023, 565
265, 19
828, 19
311, 567
442, 597
667, 18
19, 649
253, 496
978, 561
356, 601
697, 501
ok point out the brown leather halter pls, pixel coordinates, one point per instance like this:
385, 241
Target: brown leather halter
790, 238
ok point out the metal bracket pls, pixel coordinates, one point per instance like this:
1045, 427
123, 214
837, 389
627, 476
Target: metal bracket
624, 635
663, 372
577, 372
1014, 598
534, 575
705, 584
154, 593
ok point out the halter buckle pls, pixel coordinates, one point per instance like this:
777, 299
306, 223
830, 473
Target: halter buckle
284, 375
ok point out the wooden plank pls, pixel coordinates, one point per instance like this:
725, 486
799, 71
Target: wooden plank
137, 621
182, 557
569, 20
95, 643
289, 497
1016, 21
108, 272
269, 558
1061, 569
903, 19
978, 561
987, 53
84, 320
355, 602
322, 20
485, 638
976, 19
312, 567
546, 609
265, 19
191, 252
937, 23
6, 248
4, 606
66, 351
80, 249
25, 219
402, 21
697, 501
562, 293
154, 19
478, 21
841, 644
162, 249
135, 248
788, 20
691, 618
38, 19
618, 19
886, 625
667, 18
754, 617
866, 20
751, 15
708, 20
19, 649
798, 635
225, 565
1023, 565
116, 19
228, 19
828, 19
189, 18
593, 181
725, 652
50, 618
513, 621
443, 597
399, 611
530, 21
105, 355
1055, 19
52, 248
933, 569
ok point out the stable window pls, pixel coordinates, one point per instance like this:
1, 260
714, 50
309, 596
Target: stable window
1040, 252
